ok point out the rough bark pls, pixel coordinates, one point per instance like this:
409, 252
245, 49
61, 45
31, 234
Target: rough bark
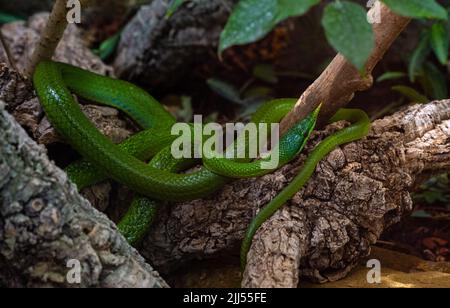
18, 94
44, 223
356, 192
159, 51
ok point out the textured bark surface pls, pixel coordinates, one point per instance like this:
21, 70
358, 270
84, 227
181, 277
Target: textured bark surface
356, 192
44, 223
18, 95
26, 6
159, 51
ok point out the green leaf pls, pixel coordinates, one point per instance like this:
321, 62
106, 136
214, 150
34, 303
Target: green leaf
419, 55
251, 20
439, 41
174, 5
265, 72
225, 89
349, 32
108, 46
411, 93
7, 18
391, 76
433, 81
417, 8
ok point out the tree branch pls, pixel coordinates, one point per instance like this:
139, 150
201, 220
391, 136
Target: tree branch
7, 51
337, 85
44, 223
157, 52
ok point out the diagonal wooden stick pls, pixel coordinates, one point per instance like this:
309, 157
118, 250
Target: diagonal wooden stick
337, 85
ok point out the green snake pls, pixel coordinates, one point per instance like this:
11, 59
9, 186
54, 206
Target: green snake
164, 178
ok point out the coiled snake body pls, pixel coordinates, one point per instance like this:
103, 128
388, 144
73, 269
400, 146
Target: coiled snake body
160, 180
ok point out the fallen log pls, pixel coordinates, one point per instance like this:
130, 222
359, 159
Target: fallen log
357, 191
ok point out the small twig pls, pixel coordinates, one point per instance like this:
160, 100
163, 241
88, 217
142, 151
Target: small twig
8, 51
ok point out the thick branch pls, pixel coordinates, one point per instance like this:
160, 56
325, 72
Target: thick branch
44, 223
337, 85
356, 192
53, 32
157, 51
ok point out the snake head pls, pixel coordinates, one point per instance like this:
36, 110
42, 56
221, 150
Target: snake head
316, 111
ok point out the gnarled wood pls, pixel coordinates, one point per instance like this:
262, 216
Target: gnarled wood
356, 192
